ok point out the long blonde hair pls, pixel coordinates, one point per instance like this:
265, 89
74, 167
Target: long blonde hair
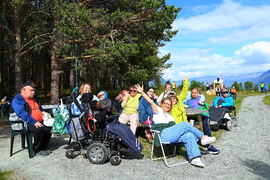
82, 87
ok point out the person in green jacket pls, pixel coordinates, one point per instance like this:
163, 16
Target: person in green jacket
178, 111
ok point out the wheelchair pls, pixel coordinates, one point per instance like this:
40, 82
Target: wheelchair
223, 117
97, 135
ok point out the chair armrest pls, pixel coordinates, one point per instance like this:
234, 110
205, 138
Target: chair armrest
13, 122
154, 131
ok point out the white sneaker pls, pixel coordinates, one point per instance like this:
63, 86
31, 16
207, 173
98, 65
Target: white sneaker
207, 140
197, 162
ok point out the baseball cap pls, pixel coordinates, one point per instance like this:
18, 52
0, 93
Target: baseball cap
29, 83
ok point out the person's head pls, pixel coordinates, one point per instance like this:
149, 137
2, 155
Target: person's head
102, 95
194, 93
150, 92
120, 96
85, 88
168, 86
173, 98
166, 104
95, 105
225, 93
28, 89
132, 90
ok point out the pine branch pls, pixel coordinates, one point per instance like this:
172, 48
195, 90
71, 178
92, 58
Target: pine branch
35, 38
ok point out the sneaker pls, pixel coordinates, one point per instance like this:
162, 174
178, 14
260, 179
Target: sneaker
197, 162
207, 140
213, 150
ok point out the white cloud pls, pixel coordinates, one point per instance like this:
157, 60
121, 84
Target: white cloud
261, 31
256, 53
228, 15
230, 22
203, 62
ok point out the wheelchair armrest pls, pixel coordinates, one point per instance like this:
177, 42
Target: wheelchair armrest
112, 117
231, 108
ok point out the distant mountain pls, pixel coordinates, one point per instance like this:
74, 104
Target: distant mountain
265, 77
256, 78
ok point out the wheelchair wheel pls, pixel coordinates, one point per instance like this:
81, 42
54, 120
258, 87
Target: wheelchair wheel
229, 125
97, 153
115, 160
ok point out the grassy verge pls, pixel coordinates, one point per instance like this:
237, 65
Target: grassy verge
5, 175
266, 100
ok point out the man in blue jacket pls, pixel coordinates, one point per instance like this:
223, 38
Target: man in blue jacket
27, 107
224, 100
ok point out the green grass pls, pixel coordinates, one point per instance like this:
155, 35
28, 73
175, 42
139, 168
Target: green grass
5, 175
266, 100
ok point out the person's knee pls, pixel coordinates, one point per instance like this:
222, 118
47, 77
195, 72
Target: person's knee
188, 137
185, 123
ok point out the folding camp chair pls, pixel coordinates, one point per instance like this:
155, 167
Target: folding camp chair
162, 144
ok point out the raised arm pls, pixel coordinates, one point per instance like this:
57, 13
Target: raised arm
147, 98
184, 92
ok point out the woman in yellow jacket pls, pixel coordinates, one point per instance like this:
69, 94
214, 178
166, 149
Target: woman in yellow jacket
178, 111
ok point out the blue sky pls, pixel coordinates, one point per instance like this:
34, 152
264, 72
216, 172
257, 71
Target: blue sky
219, 38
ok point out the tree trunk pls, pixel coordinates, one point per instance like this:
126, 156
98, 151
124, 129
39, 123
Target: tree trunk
1, 53
18, 45
55, 75
71, 77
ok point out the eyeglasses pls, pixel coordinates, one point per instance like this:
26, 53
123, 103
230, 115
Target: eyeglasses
169, 104
132, 90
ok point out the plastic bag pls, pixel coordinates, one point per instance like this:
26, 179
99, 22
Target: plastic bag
61, 119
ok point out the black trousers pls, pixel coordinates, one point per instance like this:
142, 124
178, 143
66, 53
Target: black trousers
42, 136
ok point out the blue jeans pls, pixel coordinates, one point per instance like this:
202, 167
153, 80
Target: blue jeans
184, 132
206, 125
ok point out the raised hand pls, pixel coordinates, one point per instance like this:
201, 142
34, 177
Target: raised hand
139, 88
185, 78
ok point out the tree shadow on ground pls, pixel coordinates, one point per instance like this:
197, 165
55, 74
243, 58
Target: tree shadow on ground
57, 142
257, 167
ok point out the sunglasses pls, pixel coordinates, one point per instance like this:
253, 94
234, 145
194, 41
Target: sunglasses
132, 90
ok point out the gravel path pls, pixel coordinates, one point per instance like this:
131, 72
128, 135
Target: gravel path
245, 154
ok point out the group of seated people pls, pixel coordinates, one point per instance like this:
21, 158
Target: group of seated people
165, 113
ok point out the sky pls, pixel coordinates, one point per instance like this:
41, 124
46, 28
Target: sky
219, 38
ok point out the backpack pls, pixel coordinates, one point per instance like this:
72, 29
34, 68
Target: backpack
76, 129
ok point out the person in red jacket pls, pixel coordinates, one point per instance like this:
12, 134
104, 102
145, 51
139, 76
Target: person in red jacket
27, 107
